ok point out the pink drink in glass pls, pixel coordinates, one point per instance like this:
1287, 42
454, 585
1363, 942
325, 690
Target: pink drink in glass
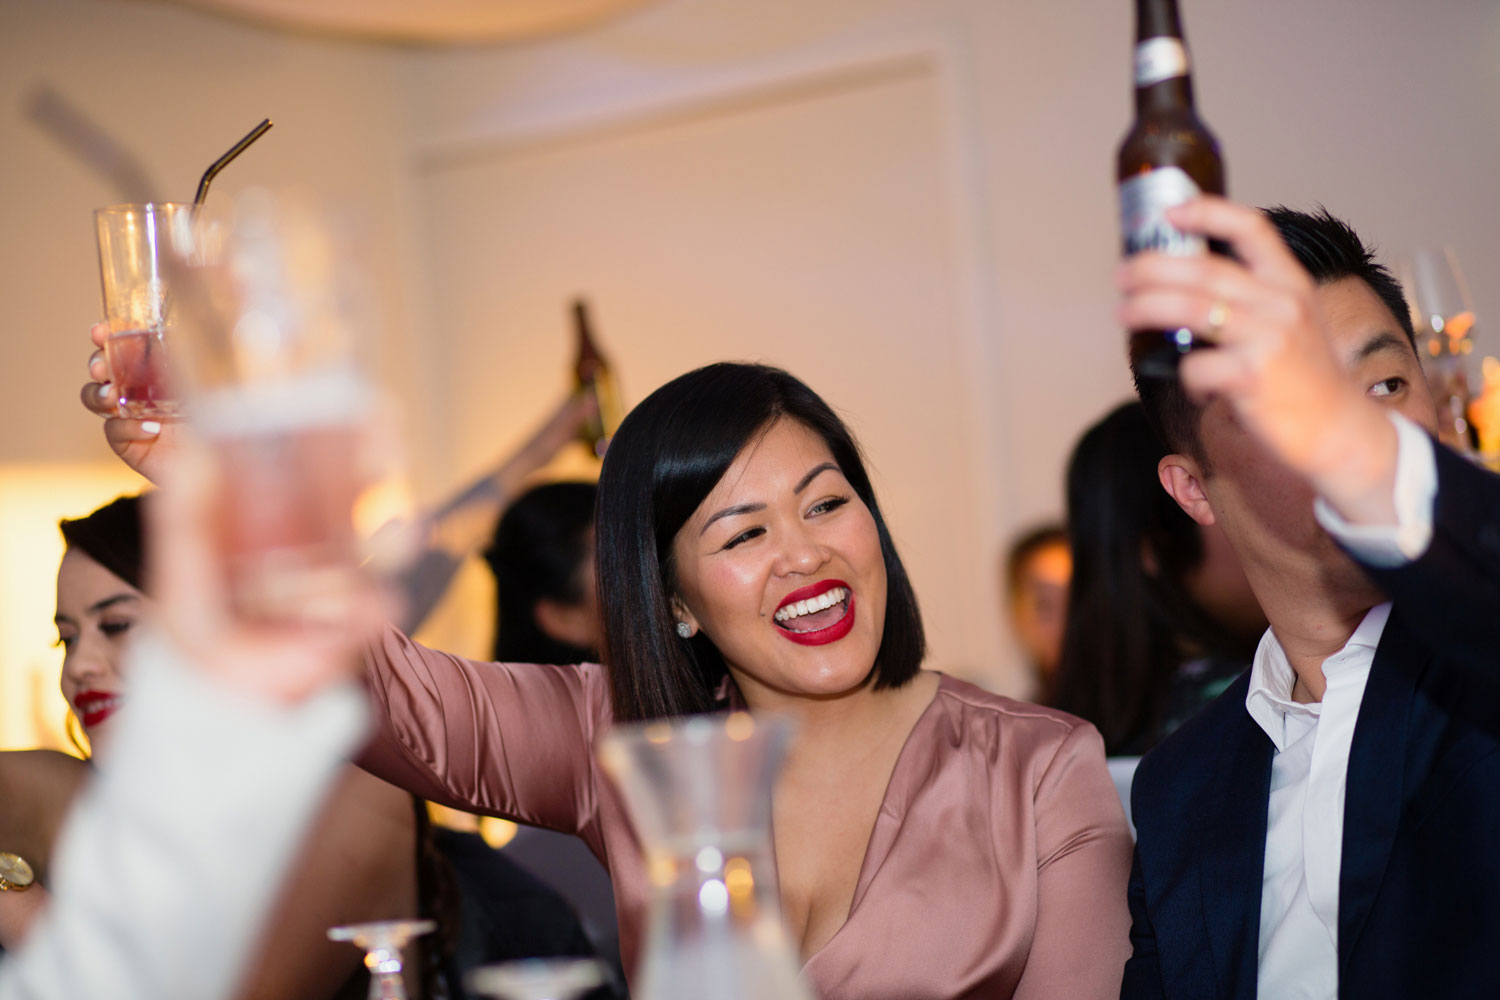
290, 479
137, 362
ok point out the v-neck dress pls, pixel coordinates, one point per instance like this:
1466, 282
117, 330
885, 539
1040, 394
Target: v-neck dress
997, 865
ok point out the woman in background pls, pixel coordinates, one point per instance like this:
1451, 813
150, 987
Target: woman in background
542, 557
547, 612
360, 862
1160, 617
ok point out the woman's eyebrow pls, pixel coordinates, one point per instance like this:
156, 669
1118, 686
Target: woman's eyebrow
751, 508
744, 508
814, 474
109, 602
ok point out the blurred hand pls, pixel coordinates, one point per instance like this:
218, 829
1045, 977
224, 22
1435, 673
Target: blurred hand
281, 661
1274, 364
562, 426
144, 445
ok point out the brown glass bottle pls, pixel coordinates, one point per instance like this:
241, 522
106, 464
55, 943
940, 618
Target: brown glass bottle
1168, 157
592, 374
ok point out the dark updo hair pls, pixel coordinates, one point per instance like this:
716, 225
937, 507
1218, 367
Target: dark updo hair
537, 554
667, 456
113, 537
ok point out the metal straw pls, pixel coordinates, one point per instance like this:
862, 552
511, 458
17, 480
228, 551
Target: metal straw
223, 161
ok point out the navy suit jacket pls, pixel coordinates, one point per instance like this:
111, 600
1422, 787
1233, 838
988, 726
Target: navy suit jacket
1419, 883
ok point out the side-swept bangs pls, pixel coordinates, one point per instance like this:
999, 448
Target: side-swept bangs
667, 456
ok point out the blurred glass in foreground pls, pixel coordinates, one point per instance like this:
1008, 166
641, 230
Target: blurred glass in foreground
699, 794
272, 357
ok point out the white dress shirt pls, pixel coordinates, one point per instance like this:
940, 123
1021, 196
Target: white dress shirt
168, 865
1299, 909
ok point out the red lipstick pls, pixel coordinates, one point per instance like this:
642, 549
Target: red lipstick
93, 707
819, 636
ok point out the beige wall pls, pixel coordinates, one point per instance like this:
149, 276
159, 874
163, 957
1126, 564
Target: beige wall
178, 88
1386, 111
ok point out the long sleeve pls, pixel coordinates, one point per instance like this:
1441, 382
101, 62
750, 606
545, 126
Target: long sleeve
506, 739
1143, 970
1083, 857
1452, 591
167, 867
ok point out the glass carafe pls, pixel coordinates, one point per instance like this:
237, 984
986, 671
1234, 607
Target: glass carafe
699, 793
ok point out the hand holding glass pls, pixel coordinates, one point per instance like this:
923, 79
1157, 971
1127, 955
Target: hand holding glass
136, 244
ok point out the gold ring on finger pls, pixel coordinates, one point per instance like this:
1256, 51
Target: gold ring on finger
1218, 315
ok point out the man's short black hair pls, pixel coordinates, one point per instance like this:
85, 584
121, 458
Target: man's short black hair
1330, 250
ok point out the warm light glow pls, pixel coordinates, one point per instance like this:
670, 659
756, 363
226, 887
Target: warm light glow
1460, 325
661, 869
496, 832
739, 726
738, 878
33, 498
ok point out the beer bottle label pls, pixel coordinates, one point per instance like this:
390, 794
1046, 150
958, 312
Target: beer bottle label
1158, 59
1144, 200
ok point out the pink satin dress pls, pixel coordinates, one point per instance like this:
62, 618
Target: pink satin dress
997, 866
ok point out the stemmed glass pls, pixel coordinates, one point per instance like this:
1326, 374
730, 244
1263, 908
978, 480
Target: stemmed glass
537, 979
1442, 313
382, 942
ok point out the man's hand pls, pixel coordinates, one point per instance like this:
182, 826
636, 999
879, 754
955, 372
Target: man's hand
144, 445
1274, 364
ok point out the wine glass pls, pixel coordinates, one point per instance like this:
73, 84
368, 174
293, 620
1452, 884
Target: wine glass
1442, 313
537, 979
382, 941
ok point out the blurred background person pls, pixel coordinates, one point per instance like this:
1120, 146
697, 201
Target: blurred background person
360, 861
547, 612
1037, 569
542, 558
167, 868
1160, 617
372, 854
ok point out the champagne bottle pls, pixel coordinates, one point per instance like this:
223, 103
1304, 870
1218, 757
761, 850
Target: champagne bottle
593, 375
1168, 157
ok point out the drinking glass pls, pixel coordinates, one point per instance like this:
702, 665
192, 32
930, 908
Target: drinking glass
699, 794
537, 979
1442, 314
382, 941
271, 356
136, 245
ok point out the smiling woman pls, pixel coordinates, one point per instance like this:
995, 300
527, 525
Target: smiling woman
360, 863
727, 518
932, 840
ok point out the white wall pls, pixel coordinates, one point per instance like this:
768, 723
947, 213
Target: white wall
178, 88
1386, 110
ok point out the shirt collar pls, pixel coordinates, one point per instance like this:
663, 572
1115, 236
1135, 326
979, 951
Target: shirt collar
1269, 700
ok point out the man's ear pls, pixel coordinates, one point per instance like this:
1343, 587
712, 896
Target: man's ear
1182, 477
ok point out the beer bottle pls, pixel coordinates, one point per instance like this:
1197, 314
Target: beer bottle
593, 375
1168, 157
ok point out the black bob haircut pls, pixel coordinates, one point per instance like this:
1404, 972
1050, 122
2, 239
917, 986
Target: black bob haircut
1329, 250
667, 456
537, 553
113, 537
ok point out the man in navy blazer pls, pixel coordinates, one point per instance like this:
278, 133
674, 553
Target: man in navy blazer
1330, 826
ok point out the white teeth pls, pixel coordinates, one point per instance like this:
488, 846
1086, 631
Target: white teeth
827, 599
